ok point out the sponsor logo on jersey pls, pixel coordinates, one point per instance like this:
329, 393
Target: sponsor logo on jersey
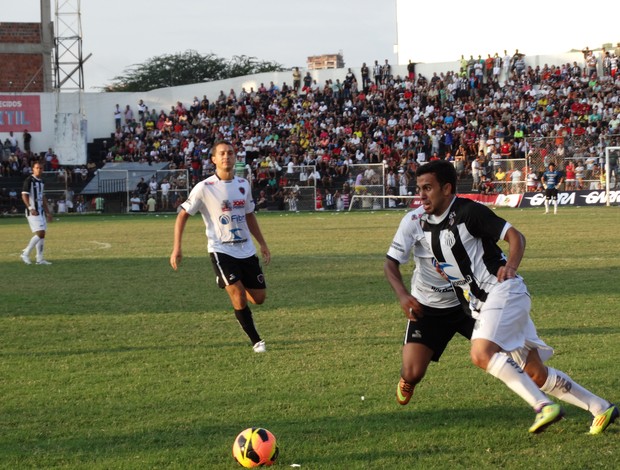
226, 206
441, 290
224, 219
451, 217
238, 203
462, 282
442, 267
236, 237
397, 247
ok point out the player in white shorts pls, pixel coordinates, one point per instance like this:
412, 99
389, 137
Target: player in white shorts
462, 235
37, 213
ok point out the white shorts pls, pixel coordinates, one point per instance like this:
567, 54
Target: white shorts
37, 223
505, 320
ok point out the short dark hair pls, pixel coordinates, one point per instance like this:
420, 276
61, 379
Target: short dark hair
220, 142
443, 170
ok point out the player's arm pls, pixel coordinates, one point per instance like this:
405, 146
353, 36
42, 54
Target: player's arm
179, 227
258, 235
516, 244
46, 209
411, 307
26, 199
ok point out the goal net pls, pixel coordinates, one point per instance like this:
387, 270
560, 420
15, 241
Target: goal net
376, 202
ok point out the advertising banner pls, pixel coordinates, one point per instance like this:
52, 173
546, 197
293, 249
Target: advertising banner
595, 197
20, 112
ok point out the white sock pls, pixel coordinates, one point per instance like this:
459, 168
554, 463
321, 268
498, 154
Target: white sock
39, 246
31, 244
508, 371
546, 205
561, 386
555, 207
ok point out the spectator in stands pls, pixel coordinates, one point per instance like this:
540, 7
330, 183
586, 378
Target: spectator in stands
118, 116
136, 203
27, 140
151, 203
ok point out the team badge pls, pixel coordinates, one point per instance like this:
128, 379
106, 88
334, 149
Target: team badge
448, 239
242, 190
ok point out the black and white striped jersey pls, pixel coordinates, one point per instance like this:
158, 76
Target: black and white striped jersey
34, 188
464, 242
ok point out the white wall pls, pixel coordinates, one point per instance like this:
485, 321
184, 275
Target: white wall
99, 107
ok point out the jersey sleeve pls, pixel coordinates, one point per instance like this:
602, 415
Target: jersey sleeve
408, 233
194, 202
26, 186
482, 222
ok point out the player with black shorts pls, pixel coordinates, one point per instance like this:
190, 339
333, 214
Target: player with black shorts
435, 313
551, 179
227, 208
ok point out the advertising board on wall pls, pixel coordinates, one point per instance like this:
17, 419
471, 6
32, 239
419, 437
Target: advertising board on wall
20, 112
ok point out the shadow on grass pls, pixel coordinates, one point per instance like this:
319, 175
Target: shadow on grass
331, 435
139, 285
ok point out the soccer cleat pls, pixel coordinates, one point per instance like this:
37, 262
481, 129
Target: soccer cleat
260, 347
404, 391
44, 261
600, 422
25, 258
548, 414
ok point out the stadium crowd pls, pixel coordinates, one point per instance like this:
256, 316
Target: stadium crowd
490, 108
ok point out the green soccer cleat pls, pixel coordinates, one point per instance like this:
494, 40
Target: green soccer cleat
548, 414
404, 391
600, 422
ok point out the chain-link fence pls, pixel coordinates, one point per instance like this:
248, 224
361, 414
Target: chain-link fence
581, 158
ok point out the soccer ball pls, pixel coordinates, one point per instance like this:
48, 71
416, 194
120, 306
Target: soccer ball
255, 447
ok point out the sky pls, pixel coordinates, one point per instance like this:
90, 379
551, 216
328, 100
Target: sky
122, 33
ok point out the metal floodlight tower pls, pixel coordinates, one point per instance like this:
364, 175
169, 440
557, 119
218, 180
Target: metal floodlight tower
68, 60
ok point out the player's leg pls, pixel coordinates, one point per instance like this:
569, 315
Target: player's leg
40, 247
502, 326
416, 358
238, 298
37, 225
558, 384
425, 341
228, 268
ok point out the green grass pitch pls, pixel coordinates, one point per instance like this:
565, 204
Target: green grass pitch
110, 360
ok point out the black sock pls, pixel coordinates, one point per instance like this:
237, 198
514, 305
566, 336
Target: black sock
244, 317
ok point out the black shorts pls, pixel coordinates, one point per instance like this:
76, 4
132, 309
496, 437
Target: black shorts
229, 270
551, 193
436, 330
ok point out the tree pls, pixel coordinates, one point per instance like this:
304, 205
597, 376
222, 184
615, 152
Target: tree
186, 68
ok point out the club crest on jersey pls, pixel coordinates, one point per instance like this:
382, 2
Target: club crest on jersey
242, 190
448, 238
226, 205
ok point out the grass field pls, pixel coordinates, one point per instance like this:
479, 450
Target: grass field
110, 360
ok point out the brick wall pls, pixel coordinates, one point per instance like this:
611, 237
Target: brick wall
18, 71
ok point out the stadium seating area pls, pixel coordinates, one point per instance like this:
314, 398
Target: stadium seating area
399, 121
